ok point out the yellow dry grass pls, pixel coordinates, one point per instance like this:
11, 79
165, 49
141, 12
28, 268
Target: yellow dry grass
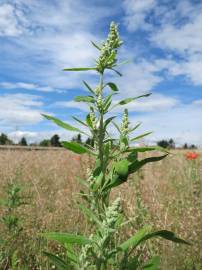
171, 199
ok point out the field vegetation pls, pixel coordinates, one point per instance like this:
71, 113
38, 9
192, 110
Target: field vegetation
168, 198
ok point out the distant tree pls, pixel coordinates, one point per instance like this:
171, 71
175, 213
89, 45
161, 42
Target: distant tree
23, 141
171, 143
89, 141
185, 146
77, 138
55, 141
45, 143
5, 140
193, 146
163, 143
166, 143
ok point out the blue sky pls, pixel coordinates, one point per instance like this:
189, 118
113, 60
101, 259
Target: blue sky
162, 40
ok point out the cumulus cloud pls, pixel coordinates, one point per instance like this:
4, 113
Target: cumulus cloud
136, 13
20, 109
27, 86
12, 21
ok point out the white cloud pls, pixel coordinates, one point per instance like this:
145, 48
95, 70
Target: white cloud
71, 104
136, 12
180, 123
138, 78
197, 102
20, 109
27, 86
156, 102
11, 21
184, 39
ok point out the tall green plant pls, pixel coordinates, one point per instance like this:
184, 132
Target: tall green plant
115, 160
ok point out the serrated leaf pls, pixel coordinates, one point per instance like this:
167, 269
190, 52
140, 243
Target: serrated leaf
128, 100
62, 124
136, 165
79, 69
57, 261
89, 99
64, 238
140, 136
75, 147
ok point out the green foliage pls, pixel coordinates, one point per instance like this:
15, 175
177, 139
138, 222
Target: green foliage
4, 139
55, 141
10, 218
115, 161
166, 143
23, 141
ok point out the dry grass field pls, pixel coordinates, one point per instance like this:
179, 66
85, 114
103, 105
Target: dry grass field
164, 194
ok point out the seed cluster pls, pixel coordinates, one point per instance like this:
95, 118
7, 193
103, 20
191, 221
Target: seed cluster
109, 49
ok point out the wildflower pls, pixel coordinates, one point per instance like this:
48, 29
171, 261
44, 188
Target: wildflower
191, 155
77, 158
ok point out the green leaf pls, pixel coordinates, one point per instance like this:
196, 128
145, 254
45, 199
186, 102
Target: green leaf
88, 86
135, 127
79, 69
140, 136
113, 86
57, 261
152, 264
98, 181
82, 182
143, 235
148, 148
108, 101
79, 121
117, 72
95, 45
88, 121
121, 168
107, 122
128, 100
89, 99
116, 126
62, 124
75, 147
89, 213
136, 165
168, 235
135, 240
65, 238
133, 264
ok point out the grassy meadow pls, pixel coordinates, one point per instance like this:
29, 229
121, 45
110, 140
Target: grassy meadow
164, 194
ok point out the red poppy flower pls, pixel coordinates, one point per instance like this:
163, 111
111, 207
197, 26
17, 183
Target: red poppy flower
191, 155
77, 158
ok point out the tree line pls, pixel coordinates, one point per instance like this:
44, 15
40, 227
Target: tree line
54, 141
